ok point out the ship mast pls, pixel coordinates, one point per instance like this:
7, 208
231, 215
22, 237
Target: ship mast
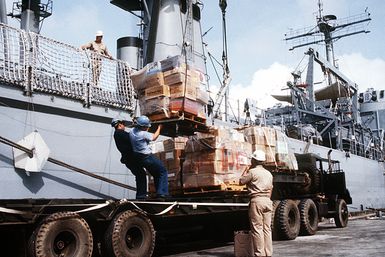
340, 91
330, 30
31, 13
327, 31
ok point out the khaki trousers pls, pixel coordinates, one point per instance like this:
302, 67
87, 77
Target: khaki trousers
260, 210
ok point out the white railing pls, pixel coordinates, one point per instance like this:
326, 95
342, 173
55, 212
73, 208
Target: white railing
39, 64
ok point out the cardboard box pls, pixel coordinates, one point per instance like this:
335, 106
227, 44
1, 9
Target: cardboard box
183, 90
179, 76
202, 96
186, 105
157, 91
174, 144
174, 62
154, 105
260, 135
154, 79
243, 244
207, 180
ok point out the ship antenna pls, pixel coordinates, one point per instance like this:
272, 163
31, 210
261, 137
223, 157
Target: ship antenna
330, 30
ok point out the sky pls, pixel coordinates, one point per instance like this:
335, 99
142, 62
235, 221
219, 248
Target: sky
259, 58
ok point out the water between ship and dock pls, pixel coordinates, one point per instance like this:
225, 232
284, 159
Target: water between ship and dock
364, 236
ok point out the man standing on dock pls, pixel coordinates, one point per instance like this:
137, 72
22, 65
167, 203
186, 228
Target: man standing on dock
259, 182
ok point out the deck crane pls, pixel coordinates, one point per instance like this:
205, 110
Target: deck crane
223, 90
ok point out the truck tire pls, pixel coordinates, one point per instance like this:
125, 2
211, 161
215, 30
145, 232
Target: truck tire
61, 234
130, 234
307, 164
274, 219
309, 217
342, 214
289, 220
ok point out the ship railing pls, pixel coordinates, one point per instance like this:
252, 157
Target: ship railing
354, 147
38, 64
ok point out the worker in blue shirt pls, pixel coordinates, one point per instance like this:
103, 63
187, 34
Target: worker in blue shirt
123, 143
140, 139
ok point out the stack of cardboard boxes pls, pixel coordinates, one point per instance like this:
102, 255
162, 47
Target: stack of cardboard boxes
215, 158
275, 145
169, 153
169, 88
219, 157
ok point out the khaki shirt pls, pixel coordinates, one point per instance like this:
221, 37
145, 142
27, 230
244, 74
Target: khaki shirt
259, 182
100, 48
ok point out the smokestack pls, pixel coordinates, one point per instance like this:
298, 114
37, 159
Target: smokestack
3, 12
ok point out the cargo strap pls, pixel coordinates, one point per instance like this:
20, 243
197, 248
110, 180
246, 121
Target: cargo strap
92, 208
13, 211
95, 207
171, 205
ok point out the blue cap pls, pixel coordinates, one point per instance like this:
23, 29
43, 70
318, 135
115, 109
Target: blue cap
143, 121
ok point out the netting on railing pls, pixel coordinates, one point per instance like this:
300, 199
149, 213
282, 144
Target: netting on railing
56, 68
13, 58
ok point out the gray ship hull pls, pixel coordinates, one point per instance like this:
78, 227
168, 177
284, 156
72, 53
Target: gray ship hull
81, 137
365, 178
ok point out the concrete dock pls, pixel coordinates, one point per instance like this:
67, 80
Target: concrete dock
361, 238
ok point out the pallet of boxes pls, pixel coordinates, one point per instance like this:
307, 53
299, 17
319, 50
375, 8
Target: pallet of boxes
171, 89
212, 161
275, 145
170, 152
215, 160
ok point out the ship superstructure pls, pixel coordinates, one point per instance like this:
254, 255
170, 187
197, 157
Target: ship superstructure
336, 117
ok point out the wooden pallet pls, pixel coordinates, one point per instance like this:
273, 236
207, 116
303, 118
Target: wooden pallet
161, 116
213, 188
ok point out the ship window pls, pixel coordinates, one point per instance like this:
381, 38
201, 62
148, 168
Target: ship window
382, 94
183, 6
196, 12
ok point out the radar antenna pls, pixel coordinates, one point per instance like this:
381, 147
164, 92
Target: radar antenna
328, 30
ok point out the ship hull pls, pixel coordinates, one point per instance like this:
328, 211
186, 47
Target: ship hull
76, 135
365, 178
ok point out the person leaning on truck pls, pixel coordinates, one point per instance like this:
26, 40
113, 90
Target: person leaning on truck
123, 143
141, 138
259, 182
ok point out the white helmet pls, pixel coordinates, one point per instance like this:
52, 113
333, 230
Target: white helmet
99, 33
259, 155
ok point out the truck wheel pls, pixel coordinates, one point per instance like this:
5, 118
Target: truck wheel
309, 217
130, 234
274, 219
342, 214
289, 220
61, 234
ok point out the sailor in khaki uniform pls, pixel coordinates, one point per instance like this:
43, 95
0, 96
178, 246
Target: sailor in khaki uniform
98, 48
259, 182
